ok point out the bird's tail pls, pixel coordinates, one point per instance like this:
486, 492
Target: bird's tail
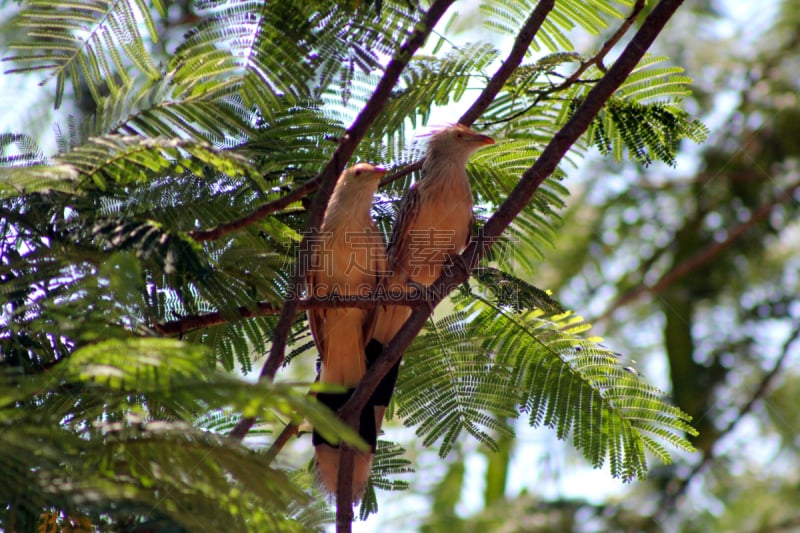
326, 454
390, 319
380, 399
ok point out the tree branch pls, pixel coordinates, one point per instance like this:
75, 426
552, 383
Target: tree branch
403, 171
705, 255
521, 44
289, 431
516, 201
190, 323
370, 301
612, 41
344, 489
327, 180
267, 209
295, 195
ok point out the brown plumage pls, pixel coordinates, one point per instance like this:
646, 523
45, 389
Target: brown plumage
348, 258
434, 222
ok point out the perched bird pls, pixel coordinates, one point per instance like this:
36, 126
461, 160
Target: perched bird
348, 258
434, 223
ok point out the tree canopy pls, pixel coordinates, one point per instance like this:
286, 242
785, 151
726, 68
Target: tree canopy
156, 254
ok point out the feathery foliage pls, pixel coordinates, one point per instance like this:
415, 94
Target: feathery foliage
494, 358
112, 428
124, 229
591, 15
95, 42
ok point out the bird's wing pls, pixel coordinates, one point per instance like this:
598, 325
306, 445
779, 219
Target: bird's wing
470, 225
400, 241
377, 264
316, 317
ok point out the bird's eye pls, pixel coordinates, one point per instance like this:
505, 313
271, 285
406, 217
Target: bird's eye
358, 172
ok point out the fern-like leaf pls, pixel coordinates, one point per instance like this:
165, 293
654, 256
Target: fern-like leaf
592, 15
576, 386
82, 41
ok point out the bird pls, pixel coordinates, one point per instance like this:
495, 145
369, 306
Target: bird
434, 224
348, 258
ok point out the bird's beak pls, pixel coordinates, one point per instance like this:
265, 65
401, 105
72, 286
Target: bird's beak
484, 140
380, 171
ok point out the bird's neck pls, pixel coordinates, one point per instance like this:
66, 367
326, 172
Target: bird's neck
349, 207
445, 174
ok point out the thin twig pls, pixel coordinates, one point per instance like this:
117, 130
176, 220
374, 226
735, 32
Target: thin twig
574, 78
295, 195
267, 209
327, 177
598, 58
671, 497
185, 324
521, 44
401, 172
516, 201
289, 431
705, 255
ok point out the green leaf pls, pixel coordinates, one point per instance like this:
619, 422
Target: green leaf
82, 40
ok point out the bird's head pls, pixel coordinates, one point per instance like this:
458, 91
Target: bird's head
458, 139
363, 173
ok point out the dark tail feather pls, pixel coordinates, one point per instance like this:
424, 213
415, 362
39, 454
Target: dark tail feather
380, 399
383, 394
327, 454
366, 426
